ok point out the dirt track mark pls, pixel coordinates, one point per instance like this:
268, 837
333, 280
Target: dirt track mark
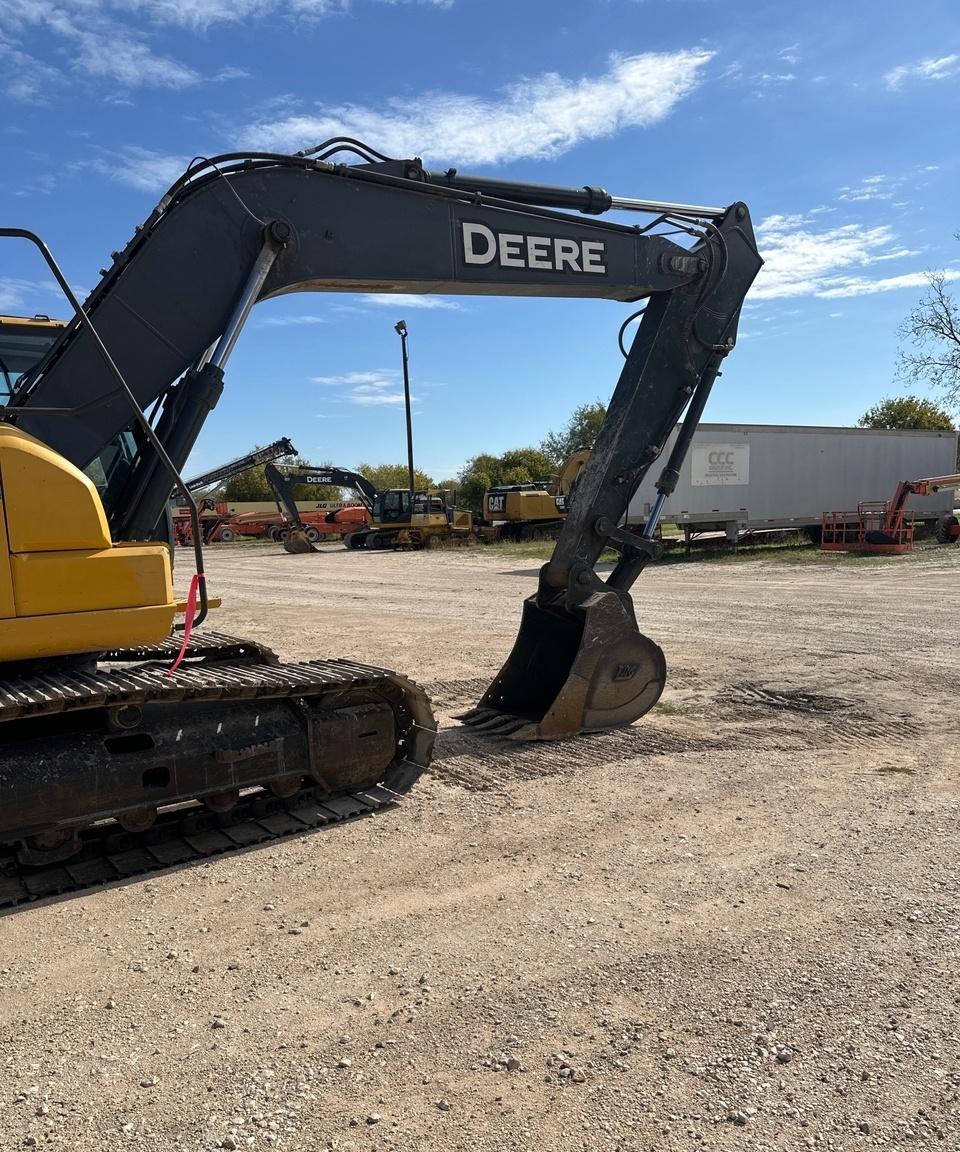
787, 699
481, 763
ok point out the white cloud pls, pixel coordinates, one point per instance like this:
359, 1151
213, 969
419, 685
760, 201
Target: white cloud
408, 300
861, 286
536, 117
935, 68
291, 321
96, 44
376, 378
202, 14
800, 261
376, 388
138, 167
14, 292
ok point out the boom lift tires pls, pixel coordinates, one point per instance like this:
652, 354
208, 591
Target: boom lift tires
948, 529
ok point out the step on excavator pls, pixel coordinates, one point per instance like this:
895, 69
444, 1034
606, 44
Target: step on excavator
110, 712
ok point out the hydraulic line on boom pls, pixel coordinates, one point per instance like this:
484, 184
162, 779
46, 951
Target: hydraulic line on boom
89, 577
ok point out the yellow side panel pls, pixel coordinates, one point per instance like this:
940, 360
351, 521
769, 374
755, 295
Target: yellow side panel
7, 604
49, 583
50, 506
530, 506
32, 637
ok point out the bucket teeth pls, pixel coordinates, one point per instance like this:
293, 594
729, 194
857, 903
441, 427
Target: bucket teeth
495, 723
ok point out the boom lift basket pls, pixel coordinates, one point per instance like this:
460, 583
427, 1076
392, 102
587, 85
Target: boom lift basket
874, 527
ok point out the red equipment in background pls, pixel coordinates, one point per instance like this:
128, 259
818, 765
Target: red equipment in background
885, 526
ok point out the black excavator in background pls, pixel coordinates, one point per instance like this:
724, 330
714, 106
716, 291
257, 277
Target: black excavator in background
395, 520
297, 536
86, 585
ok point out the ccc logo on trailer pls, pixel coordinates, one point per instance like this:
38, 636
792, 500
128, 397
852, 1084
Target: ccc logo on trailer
720, 460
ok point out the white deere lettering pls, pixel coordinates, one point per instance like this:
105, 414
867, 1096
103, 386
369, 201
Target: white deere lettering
511, 250
566, 252
482, 245
538, 252
593, 256
471, 234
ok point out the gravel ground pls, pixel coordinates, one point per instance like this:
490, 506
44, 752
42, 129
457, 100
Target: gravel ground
732, 926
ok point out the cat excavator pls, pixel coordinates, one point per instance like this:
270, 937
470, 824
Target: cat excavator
113, 713
532, 511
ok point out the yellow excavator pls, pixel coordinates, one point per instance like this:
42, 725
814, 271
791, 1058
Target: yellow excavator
132, 740
533, 511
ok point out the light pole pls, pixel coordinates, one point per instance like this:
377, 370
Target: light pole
401, 329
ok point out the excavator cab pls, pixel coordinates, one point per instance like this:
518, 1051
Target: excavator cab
393, 507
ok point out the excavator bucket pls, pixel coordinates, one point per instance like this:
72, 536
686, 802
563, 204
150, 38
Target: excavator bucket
296, 541
571, 671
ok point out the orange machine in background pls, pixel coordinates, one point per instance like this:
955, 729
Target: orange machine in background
886, 526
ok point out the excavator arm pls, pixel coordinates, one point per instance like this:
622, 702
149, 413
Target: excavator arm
282, 485
246, 228
265, 455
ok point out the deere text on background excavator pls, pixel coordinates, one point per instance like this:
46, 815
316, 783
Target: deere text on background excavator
93, 727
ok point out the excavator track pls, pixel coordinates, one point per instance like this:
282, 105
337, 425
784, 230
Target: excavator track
183, 836
123, 766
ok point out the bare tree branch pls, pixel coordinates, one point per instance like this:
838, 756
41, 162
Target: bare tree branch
932, 329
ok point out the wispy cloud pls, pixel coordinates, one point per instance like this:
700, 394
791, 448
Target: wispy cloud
15, 292
801, 260
371, 389
98, 47
885, 186
535, 117
137, 167
862, 286
408, 300
934, 68
291, 321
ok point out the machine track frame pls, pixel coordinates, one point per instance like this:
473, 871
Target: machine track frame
327, 738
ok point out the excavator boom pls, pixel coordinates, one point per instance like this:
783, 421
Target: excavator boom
157, 333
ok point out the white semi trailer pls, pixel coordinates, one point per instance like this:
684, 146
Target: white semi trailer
741, 478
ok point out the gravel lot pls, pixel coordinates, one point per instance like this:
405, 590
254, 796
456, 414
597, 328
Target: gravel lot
732, 926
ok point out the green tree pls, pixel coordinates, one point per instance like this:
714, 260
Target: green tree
906, 412
518, 466
580, 431
384, 476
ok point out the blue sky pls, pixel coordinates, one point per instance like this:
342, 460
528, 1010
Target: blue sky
835, 122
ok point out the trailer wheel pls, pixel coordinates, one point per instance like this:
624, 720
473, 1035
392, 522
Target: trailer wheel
227, 535
311, 534
947, 529
273, 533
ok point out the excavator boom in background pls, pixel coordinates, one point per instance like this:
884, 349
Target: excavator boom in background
85, 578
215, 524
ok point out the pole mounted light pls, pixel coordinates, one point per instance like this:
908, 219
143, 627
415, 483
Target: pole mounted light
401, 330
